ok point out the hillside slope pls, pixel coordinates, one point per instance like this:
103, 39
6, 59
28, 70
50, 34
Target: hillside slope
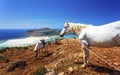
63, 60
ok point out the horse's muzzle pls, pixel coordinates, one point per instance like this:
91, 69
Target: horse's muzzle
61, 35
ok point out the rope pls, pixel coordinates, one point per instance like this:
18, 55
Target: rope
102, 59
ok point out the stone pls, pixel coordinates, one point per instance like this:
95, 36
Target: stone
116, 64
17, 64
61, 73
4, 58
50, 73
75, 68
70, 69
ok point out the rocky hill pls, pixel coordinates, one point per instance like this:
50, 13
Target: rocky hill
42, 32
62, 59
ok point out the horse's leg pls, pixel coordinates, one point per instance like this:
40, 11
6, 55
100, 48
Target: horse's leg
117, 40
43, 50
36, 50
36, 53
85, 54
47, 48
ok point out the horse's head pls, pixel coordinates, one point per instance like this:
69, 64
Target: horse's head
65, 30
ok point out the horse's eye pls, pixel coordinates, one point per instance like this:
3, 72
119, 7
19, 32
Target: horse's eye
66, 27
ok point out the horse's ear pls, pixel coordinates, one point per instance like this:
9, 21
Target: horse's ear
67, 23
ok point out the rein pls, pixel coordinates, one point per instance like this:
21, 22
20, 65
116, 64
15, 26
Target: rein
102, 59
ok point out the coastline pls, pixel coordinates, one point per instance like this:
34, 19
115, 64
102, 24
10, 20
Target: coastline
28, 41
21, 42
25, 37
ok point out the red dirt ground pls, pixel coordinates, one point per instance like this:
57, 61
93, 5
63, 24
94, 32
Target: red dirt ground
62, 57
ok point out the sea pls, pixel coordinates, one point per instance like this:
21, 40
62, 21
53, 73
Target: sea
18, 38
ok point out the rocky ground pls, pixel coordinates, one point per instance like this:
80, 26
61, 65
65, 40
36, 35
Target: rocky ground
63, 59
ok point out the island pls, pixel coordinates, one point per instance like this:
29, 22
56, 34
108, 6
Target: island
43, 32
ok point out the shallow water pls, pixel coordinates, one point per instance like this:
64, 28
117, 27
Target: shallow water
21, 42
17, 38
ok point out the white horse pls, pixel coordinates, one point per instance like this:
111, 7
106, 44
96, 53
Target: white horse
40, 45
107, 35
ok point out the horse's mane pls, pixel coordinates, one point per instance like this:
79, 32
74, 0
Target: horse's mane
76, 27
116, 23
79, 24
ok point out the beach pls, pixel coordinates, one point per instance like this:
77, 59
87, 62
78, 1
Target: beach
63, 58
22, 42
27, 37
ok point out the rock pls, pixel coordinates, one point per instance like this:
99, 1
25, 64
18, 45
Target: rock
97, 60
80, 55
105, 57
116, 64
2, 50
75, 68
51, 66
17, 64
50, 73
70, 69
4, 58
61, 73
58, 51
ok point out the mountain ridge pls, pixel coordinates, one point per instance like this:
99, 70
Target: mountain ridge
42, 32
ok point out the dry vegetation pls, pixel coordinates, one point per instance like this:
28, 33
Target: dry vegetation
62, 60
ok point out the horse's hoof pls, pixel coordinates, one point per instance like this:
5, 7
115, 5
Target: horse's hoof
35, 57
88, 64
83, 66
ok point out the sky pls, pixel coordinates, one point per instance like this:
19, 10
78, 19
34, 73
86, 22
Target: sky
35, 14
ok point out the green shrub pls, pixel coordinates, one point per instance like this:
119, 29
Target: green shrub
41, 71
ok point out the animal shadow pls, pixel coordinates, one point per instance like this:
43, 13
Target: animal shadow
42, 57
101, 69
47, 55
79, 63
